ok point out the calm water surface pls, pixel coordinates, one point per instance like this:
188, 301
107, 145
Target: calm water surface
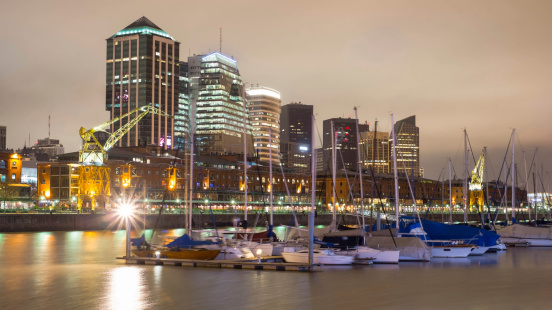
78, 270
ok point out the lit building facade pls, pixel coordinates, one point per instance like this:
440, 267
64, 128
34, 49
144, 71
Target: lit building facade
264, 114
375, 151
219, 113
296, 136
182, 117
13, 194
407, 146
142, 68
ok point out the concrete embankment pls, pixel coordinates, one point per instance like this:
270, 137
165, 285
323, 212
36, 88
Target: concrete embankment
78, 222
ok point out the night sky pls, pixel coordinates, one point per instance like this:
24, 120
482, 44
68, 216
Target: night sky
482, 65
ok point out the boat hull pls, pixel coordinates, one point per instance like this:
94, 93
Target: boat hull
197, 254
530, 242
377, 256
303, 258
479, 250
451, 251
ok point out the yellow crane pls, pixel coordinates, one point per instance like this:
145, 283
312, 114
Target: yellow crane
94, 177
476, 183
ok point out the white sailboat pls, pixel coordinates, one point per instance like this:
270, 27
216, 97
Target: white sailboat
320, 256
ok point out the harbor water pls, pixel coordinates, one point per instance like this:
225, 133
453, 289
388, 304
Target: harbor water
78, 270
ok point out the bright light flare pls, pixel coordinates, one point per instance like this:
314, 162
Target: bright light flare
126, 210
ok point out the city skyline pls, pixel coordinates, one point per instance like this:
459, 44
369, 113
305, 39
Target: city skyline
480, 66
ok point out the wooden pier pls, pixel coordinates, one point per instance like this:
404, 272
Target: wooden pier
267, 263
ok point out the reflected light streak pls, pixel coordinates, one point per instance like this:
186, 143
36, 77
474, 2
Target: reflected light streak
126, 288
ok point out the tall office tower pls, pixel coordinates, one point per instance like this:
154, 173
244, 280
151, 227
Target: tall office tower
407, 147
143, 69
375, 150
3, 130
264, 113
219, 115
296, 136
345, 141
182, 117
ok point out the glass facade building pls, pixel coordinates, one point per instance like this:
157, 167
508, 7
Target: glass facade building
296, 136
219, 113
264, 113
346, 144
407, 147
142, 68
182, 115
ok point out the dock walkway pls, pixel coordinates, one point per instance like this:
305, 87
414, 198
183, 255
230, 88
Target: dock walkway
267, 263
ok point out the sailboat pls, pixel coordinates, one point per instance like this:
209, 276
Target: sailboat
451, 240
182, 248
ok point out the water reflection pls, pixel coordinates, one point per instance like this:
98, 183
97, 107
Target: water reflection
126, 288
78, 270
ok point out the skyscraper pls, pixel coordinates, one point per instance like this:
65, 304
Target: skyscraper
182, 117
296, 136
142, 68
264, 113
219, 115
407, 146
344, 133
375, 150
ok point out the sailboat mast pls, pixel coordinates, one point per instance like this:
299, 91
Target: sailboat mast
450, 191
334, 170
245, 159
467, 173
313, 195
191, 183
360, 173
270, 178
513, 175
395, 174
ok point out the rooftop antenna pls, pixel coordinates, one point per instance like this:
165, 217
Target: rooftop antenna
48, 128
220, 44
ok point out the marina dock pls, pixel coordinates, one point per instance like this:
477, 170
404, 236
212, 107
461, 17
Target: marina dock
267, 263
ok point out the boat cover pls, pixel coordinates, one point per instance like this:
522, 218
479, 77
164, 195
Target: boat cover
137, 242
440, 231
526, 232
318, 232
258, 237
185, 241
408, 246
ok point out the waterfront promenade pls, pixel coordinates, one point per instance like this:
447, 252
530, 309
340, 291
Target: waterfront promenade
25, 222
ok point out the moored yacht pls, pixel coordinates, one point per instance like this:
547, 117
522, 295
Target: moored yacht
320, 256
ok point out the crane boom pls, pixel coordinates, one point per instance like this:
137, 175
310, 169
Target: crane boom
93, 152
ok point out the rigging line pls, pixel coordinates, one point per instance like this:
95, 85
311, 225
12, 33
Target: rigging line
532, 162
162, 206
349, 186
471, 149
504, 161
434, 190
383, 209
289, 197
503, 194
